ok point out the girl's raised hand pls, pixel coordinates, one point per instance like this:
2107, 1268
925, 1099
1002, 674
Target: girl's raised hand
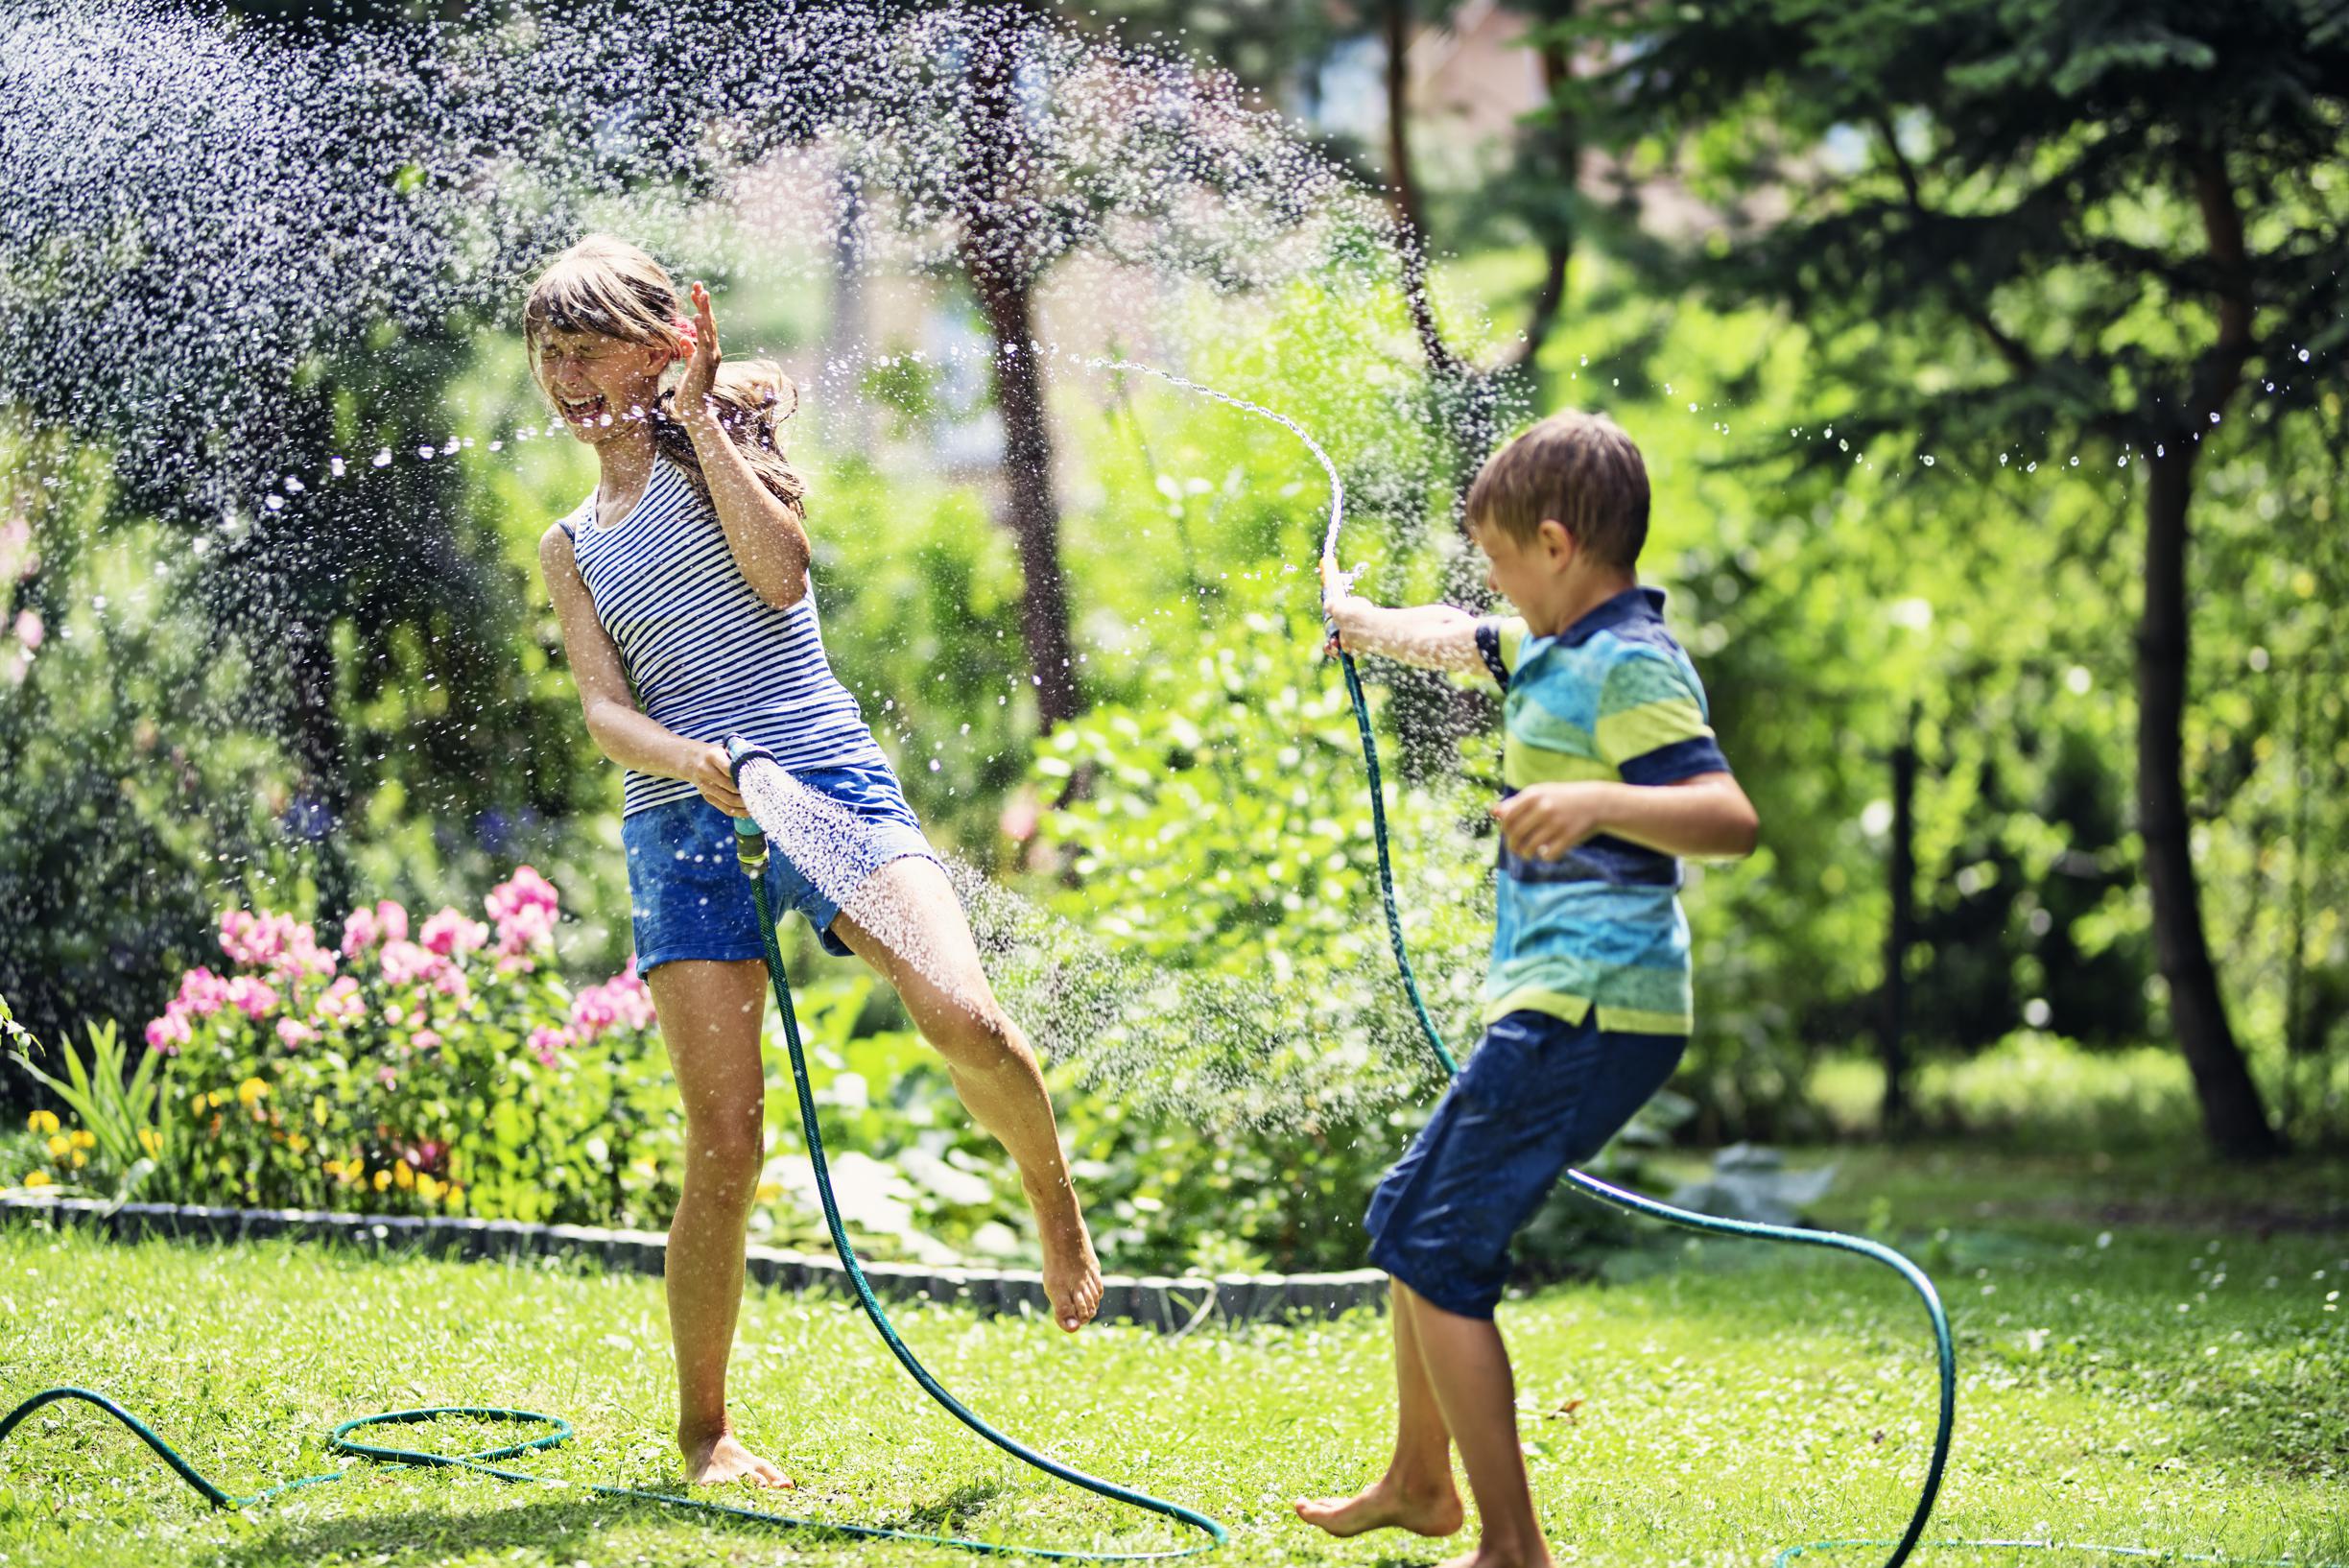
692, 393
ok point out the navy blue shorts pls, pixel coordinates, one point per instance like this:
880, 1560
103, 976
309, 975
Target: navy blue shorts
685, 883
1539, 1093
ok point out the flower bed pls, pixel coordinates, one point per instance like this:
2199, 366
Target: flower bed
447, 1072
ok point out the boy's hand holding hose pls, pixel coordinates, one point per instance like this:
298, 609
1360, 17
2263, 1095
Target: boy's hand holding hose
1338, 597
1432, 636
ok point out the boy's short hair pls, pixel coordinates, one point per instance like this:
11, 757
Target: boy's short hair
1579, 468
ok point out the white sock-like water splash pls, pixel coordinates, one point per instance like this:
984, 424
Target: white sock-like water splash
1223, 1050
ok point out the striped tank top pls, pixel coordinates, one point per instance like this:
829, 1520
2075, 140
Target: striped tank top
706, 656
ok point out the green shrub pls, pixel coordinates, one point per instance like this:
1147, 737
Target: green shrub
2032, 1087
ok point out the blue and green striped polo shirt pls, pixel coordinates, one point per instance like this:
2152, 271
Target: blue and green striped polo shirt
1611, 698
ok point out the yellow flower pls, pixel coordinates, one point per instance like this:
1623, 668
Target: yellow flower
404, 1174
83, 1140
38, 1178
57, 1146
297, 1142
768, 1191
250, 1090
80, 1159
42, 1121
382, 1180
151, 1140
428, 1189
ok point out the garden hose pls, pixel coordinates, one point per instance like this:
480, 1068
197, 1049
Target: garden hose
751, 847
1714, 1224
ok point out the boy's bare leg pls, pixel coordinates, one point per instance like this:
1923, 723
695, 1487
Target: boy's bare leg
909, 925
1416, 1492
1468, 1367
710, 1014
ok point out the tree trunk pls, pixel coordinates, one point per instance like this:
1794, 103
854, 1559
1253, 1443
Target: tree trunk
998, 260
2232, 1114
1893, 1025
321, 811
1035, 513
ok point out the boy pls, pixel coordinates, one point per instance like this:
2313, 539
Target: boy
1611, 774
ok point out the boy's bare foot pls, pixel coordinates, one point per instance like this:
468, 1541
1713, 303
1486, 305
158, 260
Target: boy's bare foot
721, 1458
1486, 1557
1385, 1506
1072, 1273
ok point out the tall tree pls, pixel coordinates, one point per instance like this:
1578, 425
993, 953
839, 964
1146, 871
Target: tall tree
2114, 218
1004, 258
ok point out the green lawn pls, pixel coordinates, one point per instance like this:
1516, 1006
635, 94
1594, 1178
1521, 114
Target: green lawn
2151, 1353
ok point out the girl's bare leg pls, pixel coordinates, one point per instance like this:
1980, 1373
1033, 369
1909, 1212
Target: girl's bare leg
1416, 1492
710, 1014
909, 925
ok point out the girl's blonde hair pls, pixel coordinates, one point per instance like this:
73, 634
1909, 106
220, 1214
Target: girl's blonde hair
610, 286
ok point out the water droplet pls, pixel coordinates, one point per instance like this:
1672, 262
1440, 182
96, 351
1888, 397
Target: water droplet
1928, 462
2031, 467
383, 458
426, 450
2304, 356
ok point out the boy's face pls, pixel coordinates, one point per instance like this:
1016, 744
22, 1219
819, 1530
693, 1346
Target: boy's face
1523, 572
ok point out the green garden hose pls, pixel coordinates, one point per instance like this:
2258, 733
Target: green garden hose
1608, 1192
751, 846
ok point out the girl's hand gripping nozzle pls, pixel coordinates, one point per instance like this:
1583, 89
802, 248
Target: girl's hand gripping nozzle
750, 840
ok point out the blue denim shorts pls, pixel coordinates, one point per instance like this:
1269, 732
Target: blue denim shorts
688, 891
1539, 1093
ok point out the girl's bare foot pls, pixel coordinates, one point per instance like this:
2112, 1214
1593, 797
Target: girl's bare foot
1072, 1273
721, 1458
1386, 1506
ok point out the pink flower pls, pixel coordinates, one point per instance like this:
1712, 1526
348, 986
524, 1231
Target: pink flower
294, 1034
168, 1032
362, 928
450, 932
425, 1039
202, 992
547, 1043
623, 999
303, 955
404, 961
252, 997
249, 939
341, 1002
526, 908
29, 629
385, 1076
524, 889
451, 982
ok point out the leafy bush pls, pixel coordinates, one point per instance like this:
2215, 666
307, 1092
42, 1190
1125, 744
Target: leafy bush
2032, 1087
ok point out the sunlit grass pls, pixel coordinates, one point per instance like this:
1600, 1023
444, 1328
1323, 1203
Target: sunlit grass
2146, 1383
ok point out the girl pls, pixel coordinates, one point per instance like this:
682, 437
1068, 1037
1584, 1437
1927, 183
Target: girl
681, 585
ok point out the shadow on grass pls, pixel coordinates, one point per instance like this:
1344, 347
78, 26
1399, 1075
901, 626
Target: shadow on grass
559, 1527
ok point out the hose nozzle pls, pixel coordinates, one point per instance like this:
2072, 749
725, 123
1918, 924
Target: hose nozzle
749, 839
